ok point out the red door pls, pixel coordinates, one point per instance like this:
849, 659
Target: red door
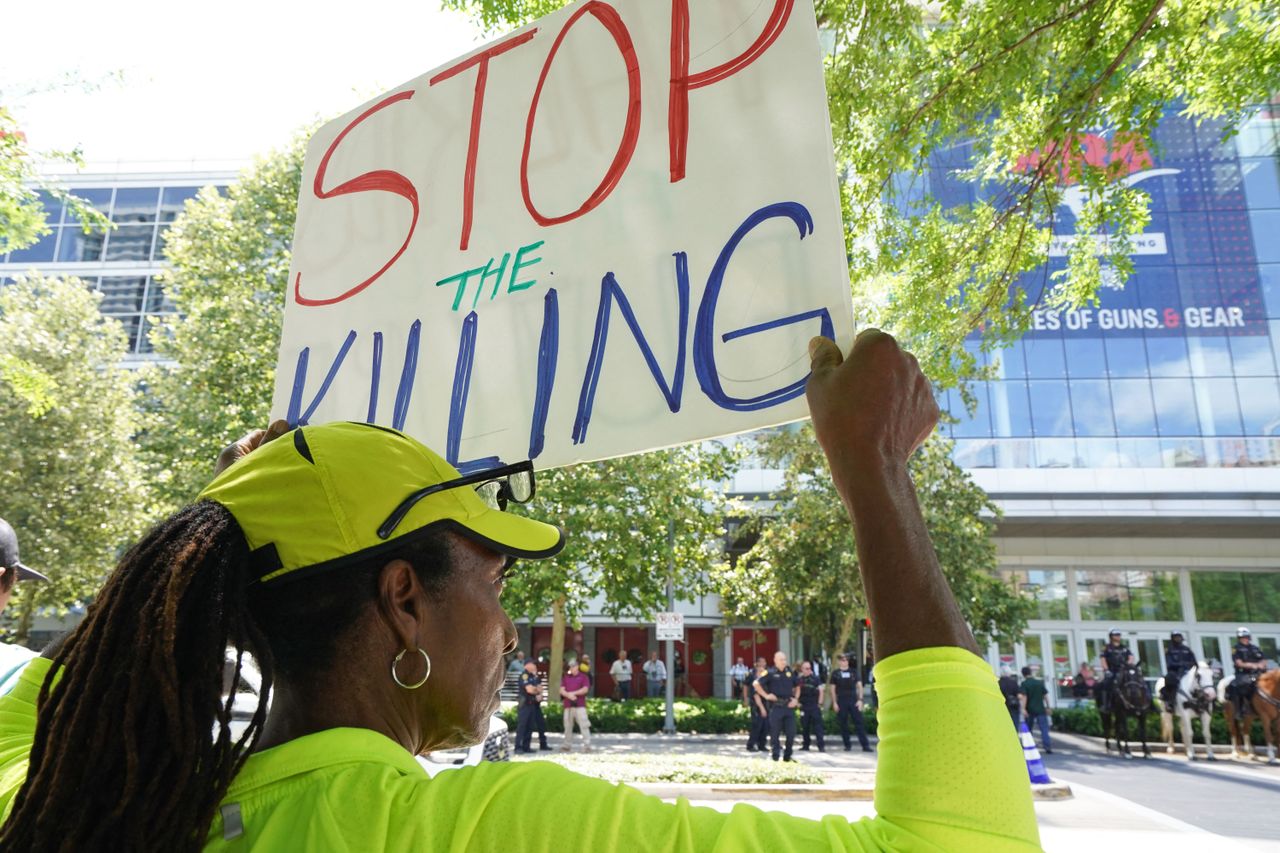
752, 643
612, 643
541, 636
695, 656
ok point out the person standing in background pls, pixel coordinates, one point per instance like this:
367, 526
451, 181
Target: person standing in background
1009, 689
13, 657
516, 666
758, 734
655, 674
846, 701
811, 692
530, 717
573, 692
1082, 685
621, 672
1034, 696
738, 672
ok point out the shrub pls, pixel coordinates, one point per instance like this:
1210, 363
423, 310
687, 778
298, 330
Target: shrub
1086, 721
646, 716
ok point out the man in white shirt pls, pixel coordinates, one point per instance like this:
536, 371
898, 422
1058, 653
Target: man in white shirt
738, 672
655, 673
12, 657
621, 673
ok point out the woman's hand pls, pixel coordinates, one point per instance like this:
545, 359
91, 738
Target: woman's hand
247, 444
871, 409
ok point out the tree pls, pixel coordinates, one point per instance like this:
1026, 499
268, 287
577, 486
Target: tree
627, 521
803, 569
70, 482
1021, 84
22, 213
230, 260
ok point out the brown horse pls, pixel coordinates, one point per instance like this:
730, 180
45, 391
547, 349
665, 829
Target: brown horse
1265, 705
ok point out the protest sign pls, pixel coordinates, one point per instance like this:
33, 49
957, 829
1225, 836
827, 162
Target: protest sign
611, 231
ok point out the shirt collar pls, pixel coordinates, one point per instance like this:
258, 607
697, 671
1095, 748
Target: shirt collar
316, 751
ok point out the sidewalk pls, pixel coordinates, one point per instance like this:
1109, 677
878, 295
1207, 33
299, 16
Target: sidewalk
1093, 819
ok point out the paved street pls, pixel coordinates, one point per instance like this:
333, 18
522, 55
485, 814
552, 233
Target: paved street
1213, 797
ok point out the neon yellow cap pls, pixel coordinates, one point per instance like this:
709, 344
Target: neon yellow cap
314, 498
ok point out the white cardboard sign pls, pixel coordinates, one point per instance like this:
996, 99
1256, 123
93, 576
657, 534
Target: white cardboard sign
612, 231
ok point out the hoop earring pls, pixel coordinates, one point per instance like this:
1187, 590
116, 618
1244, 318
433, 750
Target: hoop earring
396, 678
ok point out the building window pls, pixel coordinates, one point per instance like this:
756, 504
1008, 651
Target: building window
1128, 595
1236, 596
1048, 587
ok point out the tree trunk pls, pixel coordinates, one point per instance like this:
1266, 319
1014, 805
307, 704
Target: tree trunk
846, 629
556, 664
24, 620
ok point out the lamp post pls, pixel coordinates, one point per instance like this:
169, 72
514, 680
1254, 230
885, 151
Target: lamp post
669, 725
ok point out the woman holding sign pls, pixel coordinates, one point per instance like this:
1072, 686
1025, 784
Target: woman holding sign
364, 574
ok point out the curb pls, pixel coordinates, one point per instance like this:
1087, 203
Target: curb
669, 791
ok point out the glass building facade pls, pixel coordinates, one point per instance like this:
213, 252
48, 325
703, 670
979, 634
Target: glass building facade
122, 263
1176, 368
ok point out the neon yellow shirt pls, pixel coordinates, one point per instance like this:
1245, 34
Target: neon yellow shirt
951, 777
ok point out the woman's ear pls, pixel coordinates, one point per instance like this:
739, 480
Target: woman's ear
400, 598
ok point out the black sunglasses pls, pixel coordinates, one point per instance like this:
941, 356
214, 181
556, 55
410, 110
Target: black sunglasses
496, 487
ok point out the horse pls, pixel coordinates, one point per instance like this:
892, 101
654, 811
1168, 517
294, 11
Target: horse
1128, 697
1195, 695
1265, 705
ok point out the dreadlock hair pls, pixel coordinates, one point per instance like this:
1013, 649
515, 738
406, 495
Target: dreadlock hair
133, 747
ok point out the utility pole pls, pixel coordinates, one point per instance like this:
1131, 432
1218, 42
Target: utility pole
669, 726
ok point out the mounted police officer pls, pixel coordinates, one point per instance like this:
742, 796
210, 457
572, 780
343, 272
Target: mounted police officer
1249, 663
1115, 657
758, 734
811, 690
846, 701
778, 687
529, 717
1178, 661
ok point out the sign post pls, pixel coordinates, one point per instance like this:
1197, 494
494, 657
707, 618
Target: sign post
612, 231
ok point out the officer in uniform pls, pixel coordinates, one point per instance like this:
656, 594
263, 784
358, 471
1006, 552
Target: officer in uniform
847, 703
757, 735
1178, 661
529, 718
778, 688
811, 690
1249, 662
1115, 657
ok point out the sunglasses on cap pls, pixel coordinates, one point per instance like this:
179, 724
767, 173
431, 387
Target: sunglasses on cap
497, 487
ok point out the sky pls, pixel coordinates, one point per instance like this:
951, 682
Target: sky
213, 84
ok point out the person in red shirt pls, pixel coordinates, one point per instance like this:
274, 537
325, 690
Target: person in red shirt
573, 691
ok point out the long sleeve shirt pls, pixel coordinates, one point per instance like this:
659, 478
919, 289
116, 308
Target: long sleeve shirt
961, 786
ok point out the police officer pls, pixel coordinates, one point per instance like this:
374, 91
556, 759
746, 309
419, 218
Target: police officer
1115, 657
811, 691
1178, 661
1249, 662
529, 717
847, 703
778, 688
757, 735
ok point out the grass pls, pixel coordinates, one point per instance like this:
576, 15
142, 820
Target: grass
697, 769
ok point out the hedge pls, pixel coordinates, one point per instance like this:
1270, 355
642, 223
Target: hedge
1086, 721
646, 716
